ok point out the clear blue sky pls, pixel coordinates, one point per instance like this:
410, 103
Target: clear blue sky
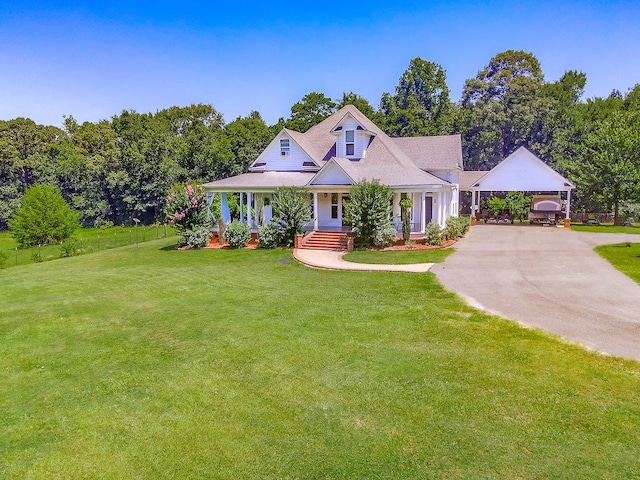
94, 59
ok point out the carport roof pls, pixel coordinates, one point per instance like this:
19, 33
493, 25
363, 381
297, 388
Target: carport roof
522, 171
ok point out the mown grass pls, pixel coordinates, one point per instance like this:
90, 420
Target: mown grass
86, 240
402, 257
155, 363
605, 228
624, 256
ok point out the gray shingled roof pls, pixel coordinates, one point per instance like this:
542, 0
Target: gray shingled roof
393, 161
261, 180
443, 152
468, 178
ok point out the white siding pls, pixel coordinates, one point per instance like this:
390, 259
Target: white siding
277, 162
361, 140
332, 175
522, 171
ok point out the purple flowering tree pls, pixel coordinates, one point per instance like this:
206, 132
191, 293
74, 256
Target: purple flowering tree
186, 209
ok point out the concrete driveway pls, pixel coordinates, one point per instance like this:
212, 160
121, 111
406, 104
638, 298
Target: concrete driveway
549, 278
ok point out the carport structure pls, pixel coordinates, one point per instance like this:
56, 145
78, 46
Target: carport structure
521, 171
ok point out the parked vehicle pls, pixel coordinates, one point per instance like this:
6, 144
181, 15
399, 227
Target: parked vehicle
546, 209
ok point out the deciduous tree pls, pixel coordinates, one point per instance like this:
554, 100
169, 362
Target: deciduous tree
421, 103
43, 217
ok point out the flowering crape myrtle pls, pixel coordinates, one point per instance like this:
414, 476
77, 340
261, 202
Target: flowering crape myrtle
186, 210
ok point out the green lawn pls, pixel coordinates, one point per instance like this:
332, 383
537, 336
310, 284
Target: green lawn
398, 257
624, 256
605, 228
87, 240
155, 363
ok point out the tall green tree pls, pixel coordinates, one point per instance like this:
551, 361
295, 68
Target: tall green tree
609, 173
43, 217
248, 137
24, 160
309, 111
503, 108
421, 103
364, 106
196, 135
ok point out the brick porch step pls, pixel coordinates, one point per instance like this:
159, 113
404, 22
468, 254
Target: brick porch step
325, 241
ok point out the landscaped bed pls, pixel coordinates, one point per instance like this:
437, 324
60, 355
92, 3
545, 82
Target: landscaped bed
399, 257
151, 362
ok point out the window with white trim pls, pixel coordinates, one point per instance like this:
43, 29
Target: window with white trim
284, 147
350, 143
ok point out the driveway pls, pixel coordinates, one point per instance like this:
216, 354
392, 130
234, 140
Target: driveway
549, 278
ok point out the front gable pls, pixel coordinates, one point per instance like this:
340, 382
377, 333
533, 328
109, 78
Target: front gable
522, 171
331, 174
352, 138
284, 154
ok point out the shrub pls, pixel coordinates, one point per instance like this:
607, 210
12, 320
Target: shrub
237, 234
385, 236
292, 210
186, 209
270, 235
455, 227
69, 248
405, 205
518, 205
36, 256
369, 210
433, 234
197, 238
43, 217
496, 206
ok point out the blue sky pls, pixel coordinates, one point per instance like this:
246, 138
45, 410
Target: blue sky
94, 59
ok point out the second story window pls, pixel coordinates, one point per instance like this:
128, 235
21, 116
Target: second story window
350, 142
284, 147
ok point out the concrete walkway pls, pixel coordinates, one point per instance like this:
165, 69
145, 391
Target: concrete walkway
549, 278
332, 260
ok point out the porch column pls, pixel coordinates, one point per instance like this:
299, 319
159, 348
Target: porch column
249, 214
315, 210
396, 208
567, 213
423, 200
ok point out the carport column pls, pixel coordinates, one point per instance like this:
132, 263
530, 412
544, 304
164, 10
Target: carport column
473, 203
567, 213
315, 210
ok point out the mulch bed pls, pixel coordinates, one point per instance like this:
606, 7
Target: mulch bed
417, 246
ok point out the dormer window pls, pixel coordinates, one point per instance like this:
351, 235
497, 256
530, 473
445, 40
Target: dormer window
350, 142
284, 147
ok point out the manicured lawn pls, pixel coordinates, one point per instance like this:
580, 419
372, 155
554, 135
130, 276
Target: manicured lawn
398, 257
154, 363
605, 228
624, 256
87, 240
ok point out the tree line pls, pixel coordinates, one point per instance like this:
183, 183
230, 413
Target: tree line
117, 169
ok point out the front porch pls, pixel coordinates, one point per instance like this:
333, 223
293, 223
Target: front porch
254, 207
